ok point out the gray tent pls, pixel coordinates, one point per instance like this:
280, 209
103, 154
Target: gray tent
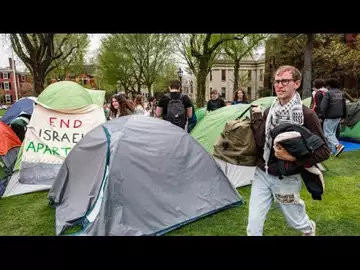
138, 175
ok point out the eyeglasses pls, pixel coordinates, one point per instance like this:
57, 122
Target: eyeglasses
284, 82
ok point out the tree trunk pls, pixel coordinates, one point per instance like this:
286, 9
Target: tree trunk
149, 89
38, 82
201, 83
138, 88
306, 92
236, 75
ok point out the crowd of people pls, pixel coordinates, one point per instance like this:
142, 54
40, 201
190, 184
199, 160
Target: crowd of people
322, 119
173, 106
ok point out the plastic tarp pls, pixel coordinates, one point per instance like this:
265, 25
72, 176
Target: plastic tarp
24, 106
8, 139
114, 182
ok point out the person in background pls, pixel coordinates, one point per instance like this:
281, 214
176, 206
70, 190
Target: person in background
174, 106
240, 97
107, 111
192, 121
216, 102
318, 93
120, 106
333, 111
151, 108
139, 105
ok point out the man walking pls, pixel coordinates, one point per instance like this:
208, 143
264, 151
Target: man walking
174, 106
267, 184
333, 110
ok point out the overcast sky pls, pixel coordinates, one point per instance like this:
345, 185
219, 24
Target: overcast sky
5, 51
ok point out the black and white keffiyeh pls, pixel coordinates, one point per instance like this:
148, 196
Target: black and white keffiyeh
289, 112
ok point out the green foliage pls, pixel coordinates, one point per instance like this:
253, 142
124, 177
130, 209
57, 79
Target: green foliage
74, 63
331, 55
134, 60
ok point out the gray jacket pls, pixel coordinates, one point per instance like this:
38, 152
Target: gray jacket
333, 104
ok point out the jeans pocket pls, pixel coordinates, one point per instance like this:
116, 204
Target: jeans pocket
287, 190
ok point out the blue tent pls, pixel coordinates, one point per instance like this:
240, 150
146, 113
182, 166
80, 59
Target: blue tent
24, 106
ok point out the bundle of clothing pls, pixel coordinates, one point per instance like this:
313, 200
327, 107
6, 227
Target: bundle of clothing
299, 142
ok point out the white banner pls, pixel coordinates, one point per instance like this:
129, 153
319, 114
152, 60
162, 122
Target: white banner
51, 135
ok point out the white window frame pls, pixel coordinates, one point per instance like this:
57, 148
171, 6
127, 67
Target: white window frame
6, 98
8, 86
7, 75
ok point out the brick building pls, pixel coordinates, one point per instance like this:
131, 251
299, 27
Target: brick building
7, 83
85, 78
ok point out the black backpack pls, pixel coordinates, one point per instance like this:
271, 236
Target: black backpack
176, 113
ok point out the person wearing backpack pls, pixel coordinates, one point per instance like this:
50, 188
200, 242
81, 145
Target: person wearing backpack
333, 111
317, 96
174, 106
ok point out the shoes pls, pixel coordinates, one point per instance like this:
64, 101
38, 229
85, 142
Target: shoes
339, 149
313, 231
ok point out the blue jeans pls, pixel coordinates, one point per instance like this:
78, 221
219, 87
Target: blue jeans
264, 189
330, 126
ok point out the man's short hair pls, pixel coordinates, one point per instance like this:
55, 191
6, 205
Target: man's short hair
175, 84
214, 91
319, 83
296, 74
332, 83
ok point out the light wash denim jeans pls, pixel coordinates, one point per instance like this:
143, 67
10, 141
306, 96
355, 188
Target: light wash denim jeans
286, 192
330, 126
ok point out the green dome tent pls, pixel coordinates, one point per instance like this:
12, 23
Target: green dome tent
209, 129
64, 113
65, 95
200, 113
350, 131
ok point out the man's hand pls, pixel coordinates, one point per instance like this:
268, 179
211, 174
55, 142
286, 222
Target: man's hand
282, 154
342, 121
256, 109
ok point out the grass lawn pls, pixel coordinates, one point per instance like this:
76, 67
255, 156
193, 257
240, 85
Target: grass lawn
337, 214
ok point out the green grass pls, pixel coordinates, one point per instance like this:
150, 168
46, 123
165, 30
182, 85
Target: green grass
2, 112
337, 214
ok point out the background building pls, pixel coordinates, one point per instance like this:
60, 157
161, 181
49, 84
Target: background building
221, 78
7, 83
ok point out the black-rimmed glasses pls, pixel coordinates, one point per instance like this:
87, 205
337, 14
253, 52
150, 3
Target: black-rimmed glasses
284, 82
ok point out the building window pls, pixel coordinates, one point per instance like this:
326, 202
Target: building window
6, 85
261, 75
5, 75
210, 75
8, 98
223, 92
23, 78
249, 75
223, 75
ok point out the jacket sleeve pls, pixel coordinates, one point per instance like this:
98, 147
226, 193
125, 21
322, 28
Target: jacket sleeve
258, 127
318, 98
324, 104
207, 106
322, 153
344, 110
